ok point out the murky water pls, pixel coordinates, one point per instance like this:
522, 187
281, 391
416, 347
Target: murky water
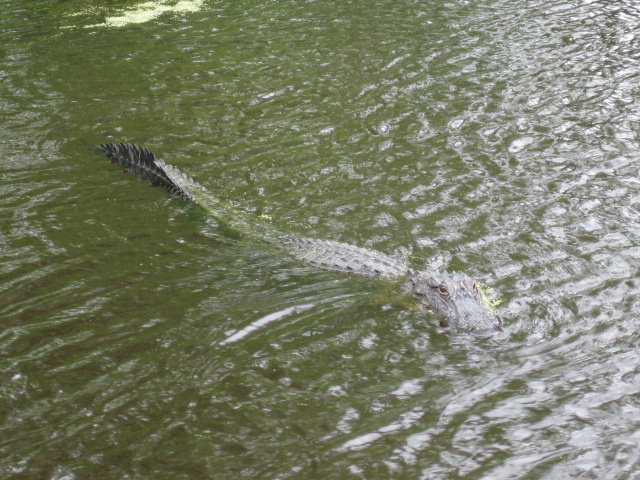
141, 340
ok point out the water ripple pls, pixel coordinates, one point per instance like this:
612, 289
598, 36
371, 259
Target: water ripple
497, 138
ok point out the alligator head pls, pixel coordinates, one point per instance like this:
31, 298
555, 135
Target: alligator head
456, 299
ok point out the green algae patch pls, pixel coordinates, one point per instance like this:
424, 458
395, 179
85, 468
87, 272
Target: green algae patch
149, 10
489, 299
146, 11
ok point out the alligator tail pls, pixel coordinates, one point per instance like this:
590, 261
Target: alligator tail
322, 253
142, 163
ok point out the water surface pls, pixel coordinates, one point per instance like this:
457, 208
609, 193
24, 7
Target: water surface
141, 340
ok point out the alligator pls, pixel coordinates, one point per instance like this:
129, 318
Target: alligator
454, 298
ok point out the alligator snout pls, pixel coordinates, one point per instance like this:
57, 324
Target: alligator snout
471, 314
486, 332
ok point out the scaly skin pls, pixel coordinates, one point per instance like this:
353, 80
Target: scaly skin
343, 257
454, 297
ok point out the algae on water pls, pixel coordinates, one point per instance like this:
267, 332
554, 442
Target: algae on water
146, 11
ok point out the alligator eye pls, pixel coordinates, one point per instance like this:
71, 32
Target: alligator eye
442, 290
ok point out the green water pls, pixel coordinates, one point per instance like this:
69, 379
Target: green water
141, 340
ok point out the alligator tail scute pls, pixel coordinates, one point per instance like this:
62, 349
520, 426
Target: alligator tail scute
142, 163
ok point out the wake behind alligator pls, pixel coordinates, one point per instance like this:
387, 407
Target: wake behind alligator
453, 297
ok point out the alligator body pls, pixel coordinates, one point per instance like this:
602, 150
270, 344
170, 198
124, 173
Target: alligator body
453, 297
